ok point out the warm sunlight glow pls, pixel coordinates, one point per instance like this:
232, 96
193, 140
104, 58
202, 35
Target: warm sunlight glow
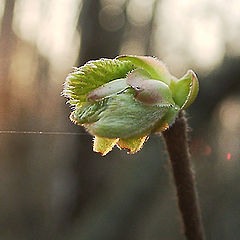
139, 12
196, 33
42, 23
27, 17
206, 45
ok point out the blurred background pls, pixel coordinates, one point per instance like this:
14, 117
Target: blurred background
55, 186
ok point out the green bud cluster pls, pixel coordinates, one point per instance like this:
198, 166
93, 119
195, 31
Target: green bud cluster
121, 101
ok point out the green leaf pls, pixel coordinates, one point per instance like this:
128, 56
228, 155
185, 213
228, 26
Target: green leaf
185, 89
122, 116
91, 76
152, 65
167, 120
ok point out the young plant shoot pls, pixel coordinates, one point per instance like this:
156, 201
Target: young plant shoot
122, 101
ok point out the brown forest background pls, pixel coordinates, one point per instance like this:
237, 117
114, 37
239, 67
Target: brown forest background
55, 186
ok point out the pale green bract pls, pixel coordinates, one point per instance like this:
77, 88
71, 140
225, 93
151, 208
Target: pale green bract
121, 101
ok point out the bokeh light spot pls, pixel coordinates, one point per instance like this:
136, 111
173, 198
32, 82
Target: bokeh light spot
111, 18
139, 13
229, 114
229, 156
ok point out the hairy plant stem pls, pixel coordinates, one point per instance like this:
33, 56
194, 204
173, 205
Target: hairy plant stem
177, 145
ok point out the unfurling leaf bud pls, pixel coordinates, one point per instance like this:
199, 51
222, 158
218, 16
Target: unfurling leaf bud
121, 101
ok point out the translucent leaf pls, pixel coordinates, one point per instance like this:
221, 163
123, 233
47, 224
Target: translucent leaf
91, 76
185, 90
132, 144
104, 145
152, 65
107, 90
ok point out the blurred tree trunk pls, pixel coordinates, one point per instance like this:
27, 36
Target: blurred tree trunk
96, 42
